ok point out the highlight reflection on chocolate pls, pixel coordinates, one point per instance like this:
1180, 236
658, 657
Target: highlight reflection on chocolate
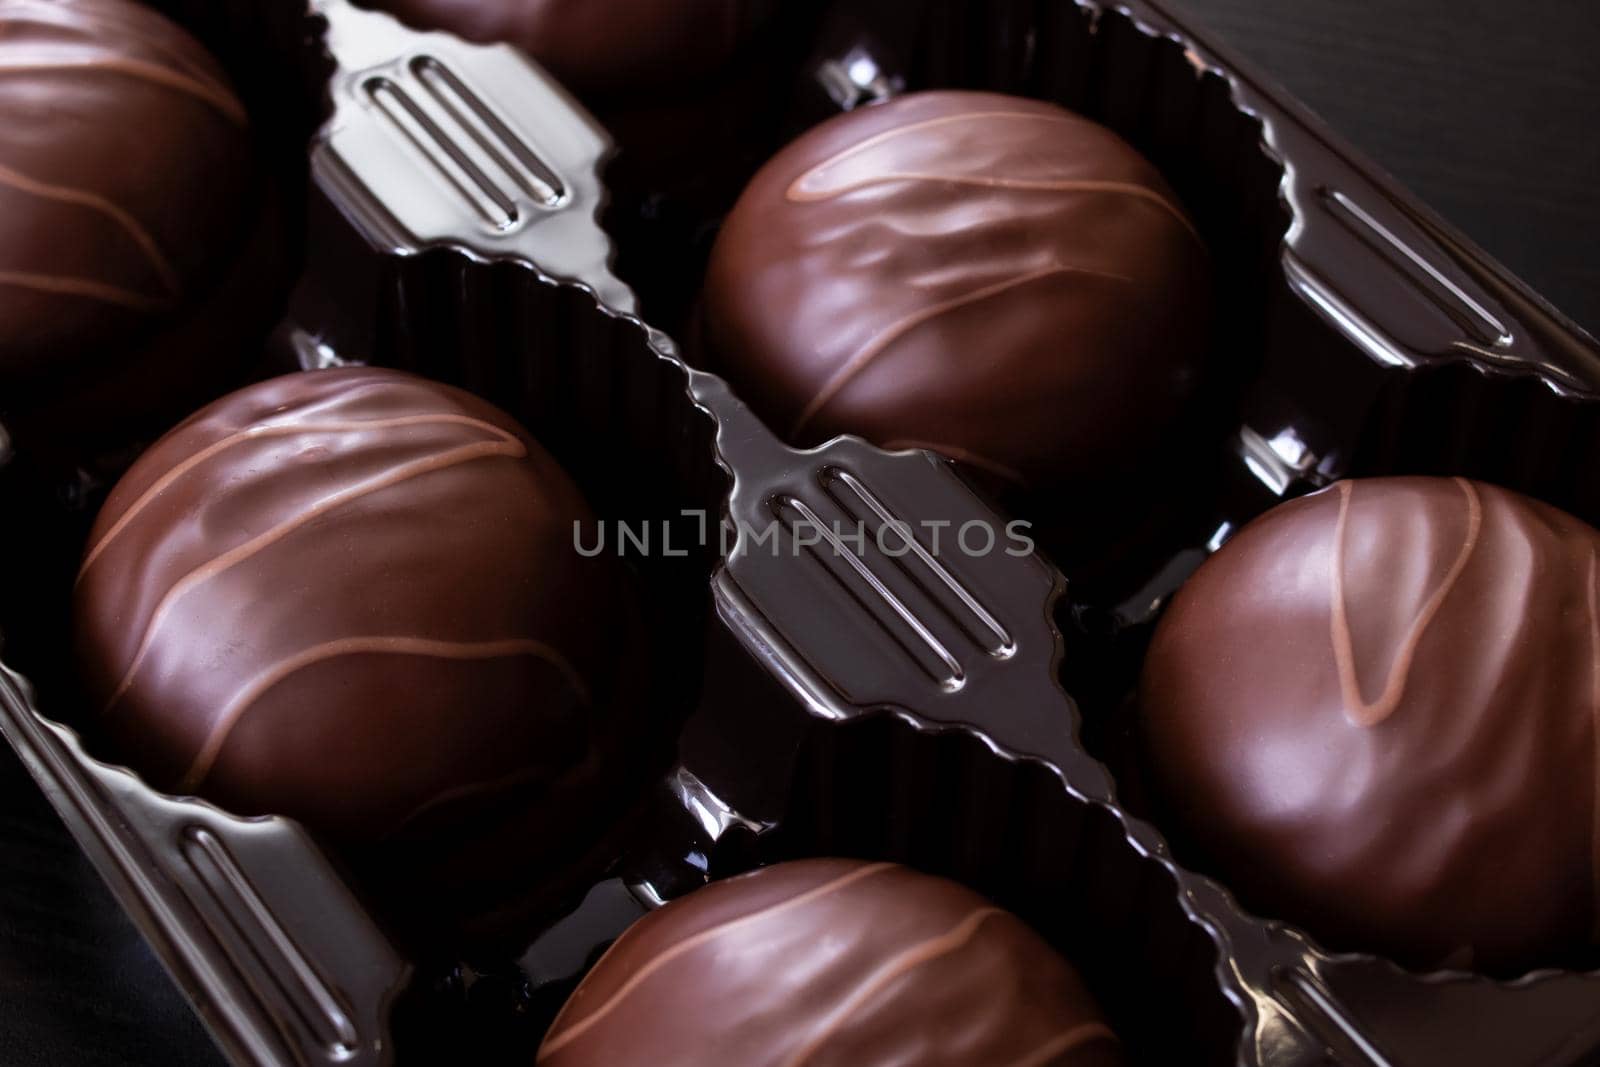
990, 277
126, 170
352, 597
831, 962
1376, 712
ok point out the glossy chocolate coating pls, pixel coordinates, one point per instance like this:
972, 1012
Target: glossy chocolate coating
1375, 712
597, 46
353, 597
831, 962
126, 183
993, 278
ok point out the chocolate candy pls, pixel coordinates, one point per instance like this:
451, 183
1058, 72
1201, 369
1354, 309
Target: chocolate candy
353, 597
1375, 712
597, 46
993, 278
127, 187
831, 962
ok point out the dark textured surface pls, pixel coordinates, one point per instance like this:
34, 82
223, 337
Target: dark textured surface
1484, 109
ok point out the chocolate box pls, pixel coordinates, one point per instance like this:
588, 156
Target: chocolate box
959, 713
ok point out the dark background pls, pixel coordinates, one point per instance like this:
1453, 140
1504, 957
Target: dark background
1490, 111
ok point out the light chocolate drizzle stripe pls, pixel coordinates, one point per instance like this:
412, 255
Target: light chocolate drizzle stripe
260, 432
506, 445
1065, 1042
223, 726
1356, 708
812, 187
94, 202
562, 1037
215, 94
900, 965
880, 344
84, 287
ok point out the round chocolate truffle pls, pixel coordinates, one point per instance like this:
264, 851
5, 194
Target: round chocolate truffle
127, 188
831, 962
1375, 712
353, 597
993, 278
597, 46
